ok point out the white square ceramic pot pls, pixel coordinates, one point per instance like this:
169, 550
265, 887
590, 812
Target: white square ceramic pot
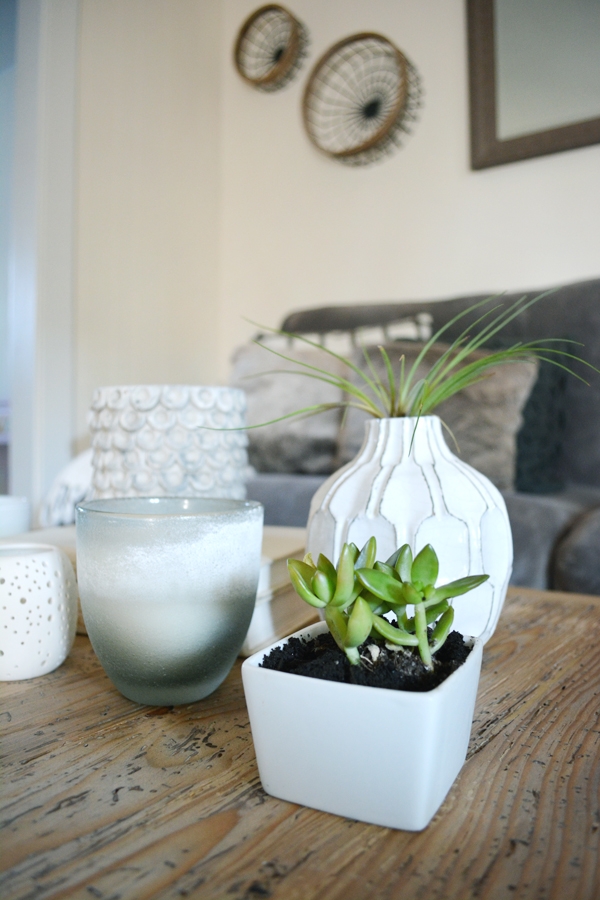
380, 756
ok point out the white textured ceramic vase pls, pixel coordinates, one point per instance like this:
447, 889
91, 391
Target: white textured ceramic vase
158, 440
420, 494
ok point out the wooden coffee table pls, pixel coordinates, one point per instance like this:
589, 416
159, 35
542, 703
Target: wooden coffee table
102, 798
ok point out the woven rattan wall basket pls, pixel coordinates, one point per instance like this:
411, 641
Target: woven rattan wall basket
361, 99
270, 48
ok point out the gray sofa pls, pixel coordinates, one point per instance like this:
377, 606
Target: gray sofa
555, 508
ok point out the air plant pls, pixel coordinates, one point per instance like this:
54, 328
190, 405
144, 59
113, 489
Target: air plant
400, 393
357, 595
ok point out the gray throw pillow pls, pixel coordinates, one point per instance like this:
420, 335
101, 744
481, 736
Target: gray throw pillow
483, 418
304, 445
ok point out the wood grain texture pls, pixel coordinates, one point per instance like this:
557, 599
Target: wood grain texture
102, 798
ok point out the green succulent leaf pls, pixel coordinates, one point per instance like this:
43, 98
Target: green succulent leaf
393, 559
325, 565
366, 557
382, 585
336, 622
404, 562
442, 629
345, 587
432, 613
359, 623
456, 588
392, 634
389, 570
301, 578
425, 567
411, 594
428, 592
309, 561
422, 636
321, 586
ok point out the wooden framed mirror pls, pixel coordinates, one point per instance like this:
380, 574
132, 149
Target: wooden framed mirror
534, 78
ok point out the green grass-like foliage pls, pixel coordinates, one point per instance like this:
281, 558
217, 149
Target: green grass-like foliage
401, 393
356, 596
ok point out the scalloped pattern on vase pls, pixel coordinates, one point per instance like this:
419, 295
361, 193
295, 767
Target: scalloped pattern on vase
406, 486
155, 440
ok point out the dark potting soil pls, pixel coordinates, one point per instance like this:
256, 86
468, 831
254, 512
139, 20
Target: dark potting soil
398, 670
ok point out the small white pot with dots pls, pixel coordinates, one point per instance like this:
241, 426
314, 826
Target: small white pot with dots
38, 610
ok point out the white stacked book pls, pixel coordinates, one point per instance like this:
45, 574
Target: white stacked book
278, 612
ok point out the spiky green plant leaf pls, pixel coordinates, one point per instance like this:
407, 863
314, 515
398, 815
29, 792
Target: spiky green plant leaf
454, 370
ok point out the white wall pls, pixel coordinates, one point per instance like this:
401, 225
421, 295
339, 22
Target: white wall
7, 104
147, 209
201, 201
301, 230
41, 258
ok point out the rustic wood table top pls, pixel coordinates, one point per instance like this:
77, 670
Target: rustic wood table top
103, 798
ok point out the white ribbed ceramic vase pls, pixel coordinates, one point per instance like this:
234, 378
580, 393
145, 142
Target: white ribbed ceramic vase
420, 495
157, 441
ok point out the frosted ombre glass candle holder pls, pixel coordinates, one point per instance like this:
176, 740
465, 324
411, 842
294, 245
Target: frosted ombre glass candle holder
167, 589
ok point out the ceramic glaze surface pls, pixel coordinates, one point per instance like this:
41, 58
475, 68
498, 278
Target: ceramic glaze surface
406, 486
38, 610
321, 743
14, 515
167, 590
156, 441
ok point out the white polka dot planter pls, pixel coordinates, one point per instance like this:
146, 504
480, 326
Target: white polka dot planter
38, 610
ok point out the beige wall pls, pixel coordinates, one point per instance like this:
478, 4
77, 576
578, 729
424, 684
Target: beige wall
201, 201
301, 230
147, 203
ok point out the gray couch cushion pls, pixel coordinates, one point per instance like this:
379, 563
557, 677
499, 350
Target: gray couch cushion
286, 498
537, 522
577, 557
301, 445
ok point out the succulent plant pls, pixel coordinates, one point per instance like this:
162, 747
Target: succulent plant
357, 595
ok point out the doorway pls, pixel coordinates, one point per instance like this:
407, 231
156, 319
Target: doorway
8, 17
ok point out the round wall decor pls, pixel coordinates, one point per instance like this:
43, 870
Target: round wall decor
270, 48
361, 99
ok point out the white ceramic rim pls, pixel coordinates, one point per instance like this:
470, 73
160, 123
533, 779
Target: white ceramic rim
22, 549
230, 506
175, 384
